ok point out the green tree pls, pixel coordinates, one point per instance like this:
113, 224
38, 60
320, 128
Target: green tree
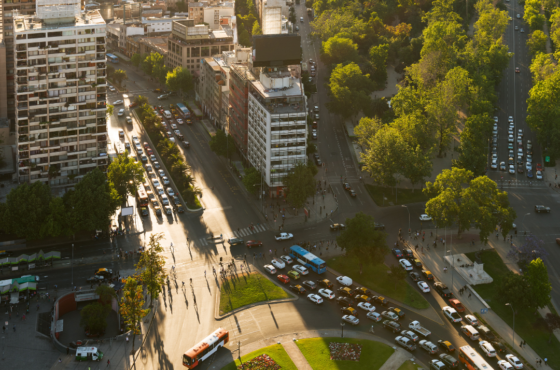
361, 239
311, 148
93, 202
94, 317
472, 154
552, 322
110, 109
125, 174
152, 267
537, 42
252, 180
132, 303
515, 290
119, 75
141, 100
27, 207
378, 58
300, 183
461, 200
56, 223
542, 66
179, 79
106, 294
245, 38
136, 59
349, 90
532, 14
398, 274
536, 275
256, 29
222, 144
338, 50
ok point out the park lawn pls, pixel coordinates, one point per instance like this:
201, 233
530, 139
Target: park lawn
275, 351
316, 351
526, 323
376, 278
409, 365
404, 196
248, 289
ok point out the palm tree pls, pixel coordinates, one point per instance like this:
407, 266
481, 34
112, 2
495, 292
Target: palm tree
179, 167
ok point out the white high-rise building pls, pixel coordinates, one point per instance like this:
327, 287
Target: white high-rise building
61, 92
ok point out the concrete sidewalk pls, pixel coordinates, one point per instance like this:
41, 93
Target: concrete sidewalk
434, 261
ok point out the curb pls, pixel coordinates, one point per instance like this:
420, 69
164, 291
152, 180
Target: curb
217, 316
140, 124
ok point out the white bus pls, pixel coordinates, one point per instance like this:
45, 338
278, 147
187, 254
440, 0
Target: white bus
472, 359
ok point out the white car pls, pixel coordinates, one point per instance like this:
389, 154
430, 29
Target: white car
121, 113
528, 166
121, 133
170, 192
510, 119
425, 217
471, 319
518, 16
390, 315
279, 264
327, 293
156, 165
287, 259
511, 169
173, 126
504, 365
270, 269
161, 173
351, 319
520, 132
538, 174
112, 89
283, 236
514, 361
366, 306
344, 280
529, 158
407, 266
375, 316
118, 102
168, 210
179, 121
164, 200
510, 138
520, 152
494, 164
315, 298
165, 180
302, 270
423, 287
496, 119
487, 348
451, 314
410, 335
159, 190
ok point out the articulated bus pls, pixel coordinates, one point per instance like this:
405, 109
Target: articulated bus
206, 348
308, 259
472, 359
142, 199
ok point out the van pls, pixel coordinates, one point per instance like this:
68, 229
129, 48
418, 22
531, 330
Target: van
301, 19
486, 333
470, 332
88, 354
167, 114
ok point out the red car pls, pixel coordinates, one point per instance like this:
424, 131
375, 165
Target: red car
457, 305
283, 278
517, 70
149, 151
254, 243
146, 145
133, 105
538, 167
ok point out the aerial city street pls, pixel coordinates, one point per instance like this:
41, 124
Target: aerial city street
253, 175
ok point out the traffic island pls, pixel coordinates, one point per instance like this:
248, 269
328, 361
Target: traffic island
409, 365
272, 357
344, 353
245, 289
376, 278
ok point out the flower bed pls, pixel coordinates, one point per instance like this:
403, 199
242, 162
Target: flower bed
345, 351
260, 362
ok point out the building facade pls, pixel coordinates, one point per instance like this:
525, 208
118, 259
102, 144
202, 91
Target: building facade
277, 124
61, 93
239, 80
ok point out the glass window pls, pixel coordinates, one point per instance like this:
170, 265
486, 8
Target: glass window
205, 51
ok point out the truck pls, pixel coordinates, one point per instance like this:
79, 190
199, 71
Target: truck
310, 12
415, 326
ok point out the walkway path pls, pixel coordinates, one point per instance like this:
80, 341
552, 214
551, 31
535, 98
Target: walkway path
295, 354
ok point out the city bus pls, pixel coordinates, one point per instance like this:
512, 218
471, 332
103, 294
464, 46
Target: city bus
206, 348
142, 199
308, 259
119, 147
472, 359
112, 58
184, 110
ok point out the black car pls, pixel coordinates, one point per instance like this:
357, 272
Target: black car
396, 252
485, 333
335, 227
415, 276
298, 289
176, 200
395, 327
311, 285
415, 262
362, 291
377, 226
345, 291
95, 279
352, 193
499, 347
542, 208
381, 300
349, 311
407, 253
344, 301
325, 283
362, 298
442, 289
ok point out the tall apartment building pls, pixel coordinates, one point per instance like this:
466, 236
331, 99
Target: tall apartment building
61, 92
277, 113
240, 77
189, 43
7, 10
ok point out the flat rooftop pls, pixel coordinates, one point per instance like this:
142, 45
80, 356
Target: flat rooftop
293, 90
23, 23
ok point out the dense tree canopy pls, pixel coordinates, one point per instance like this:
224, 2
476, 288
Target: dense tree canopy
300, 183
349, 90
362, 239
125, 174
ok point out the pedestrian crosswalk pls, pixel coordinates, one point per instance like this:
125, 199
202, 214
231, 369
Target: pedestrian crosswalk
239, 233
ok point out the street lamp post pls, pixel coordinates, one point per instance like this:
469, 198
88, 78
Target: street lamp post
402, 205
513, 329
342, 326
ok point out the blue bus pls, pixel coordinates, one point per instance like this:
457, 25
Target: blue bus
184, 110
112, 58
308, 259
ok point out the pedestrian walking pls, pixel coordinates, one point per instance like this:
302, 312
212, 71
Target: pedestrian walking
127, 336
545, 360
469, 295
14, 328
108, 363
422, 250
205, 273
3, 329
